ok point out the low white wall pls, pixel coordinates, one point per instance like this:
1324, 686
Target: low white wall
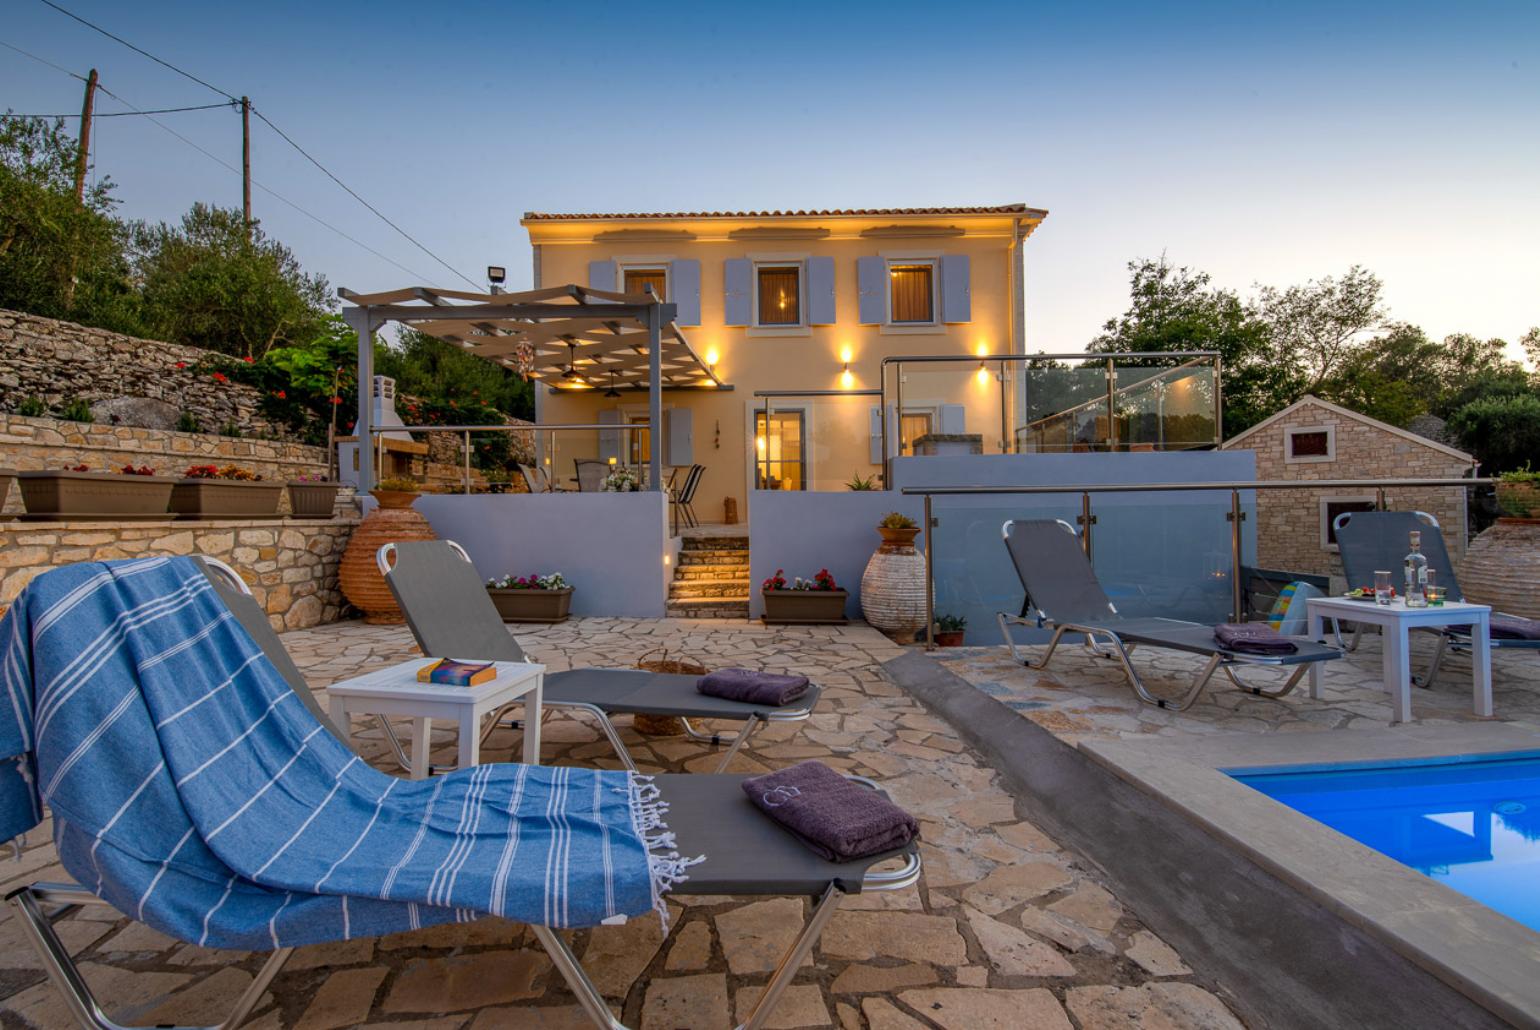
609, 546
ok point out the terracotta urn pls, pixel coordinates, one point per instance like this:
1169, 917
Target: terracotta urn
1502, 566
893, 585
394, 521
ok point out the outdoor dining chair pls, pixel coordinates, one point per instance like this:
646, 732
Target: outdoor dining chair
536, 480
1370, 541
591, 474
203, 849
682, 499
1062, 588
450, 615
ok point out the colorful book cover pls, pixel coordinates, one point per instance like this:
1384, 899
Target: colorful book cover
452, 673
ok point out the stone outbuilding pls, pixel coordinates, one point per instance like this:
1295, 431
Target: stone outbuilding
1313, 439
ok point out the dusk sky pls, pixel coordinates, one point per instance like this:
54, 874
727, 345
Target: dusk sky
1260, 143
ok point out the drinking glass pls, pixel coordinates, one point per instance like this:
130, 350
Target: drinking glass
1433, 592
1381, 587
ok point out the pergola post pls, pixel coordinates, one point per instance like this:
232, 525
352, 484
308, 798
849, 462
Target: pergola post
359, 319
655, 394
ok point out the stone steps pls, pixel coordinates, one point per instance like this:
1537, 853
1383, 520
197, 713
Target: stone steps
737, 588
709, 608
711, 579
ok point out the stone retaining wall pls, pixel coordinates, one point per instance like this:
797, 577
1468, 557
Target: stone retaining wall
291, 564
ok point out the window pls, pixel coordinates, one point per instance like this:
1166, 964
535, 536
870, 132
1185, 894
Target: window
779, 292
780, 454
912, 293
638, 279
1305, 444
1331, 507
911, 426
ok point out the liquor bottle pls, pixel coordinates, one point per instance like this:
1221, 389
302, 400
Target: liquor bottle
1416, 574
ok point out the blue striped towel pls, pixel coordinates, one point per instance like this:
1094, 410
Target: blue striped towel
193, 790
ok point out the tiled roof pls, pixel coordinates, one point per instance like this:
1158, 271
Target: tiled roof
994, 209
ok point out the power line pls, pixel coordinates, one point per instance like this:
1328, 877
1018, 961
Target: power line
130, 114
40, 60
137, 50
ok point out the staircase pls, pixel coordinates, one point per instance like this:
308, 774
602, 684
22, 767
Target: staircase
711, 580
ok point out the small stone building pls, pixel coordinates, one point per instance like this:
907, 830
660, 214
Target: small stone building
1313, 439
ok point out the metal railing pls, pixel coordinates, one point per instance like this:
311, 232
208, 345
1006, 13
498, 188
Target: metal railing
381, 432
1236, 516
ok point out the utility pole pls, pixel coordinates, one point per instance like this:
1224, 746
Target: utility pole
82, 158
246, 164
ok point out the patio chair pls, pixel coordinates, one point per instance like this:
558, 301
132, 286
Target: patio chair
682, 499
591, 474
535, 480
1376, 540
1062, 587
231, 898
450, 615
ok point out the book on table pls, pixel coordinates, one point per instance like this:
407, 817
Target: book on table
451, 672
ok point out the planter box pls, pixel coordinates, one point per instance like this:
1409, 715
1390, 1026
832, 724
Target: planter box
59, 494
803, 607
950, 637
312, 500
532, 605
225, 499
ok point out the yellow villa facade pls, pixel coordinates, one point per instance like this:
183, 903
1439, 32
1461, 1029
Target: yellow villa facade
798, 301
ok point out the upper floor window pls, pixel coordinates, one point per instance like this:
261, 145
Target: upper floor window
638, 278
912, 292
778, 290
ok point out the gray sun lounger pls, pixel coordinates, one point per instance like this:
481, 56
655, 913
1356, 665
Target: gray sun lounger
1062, 587
447, 608
1371, 541
746, 854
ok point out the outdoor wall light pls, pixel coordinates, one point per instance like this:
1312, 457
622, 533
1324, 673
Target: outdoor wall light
846, 378
712, 357
497, 274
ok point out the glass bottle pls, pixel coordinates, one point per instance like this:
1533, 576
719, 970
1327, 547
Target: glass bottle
1416, 574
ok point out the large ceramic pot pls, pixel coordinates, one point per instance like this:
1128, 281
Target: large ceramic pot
1502, 566
225, 499
893, 586
805, 607
359, 576
62, 494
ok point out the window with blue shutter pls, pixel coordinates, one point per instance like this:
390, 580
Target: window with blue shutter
737, 287
686, 282
820, 291
872, 287
956, 292
603, 275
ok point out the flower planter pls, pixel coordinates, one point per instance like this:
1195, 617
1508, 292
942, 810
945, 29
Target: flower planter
60, 494
311, 500
532, 605
395, 499
225, 499
802, 607
950, 638
1519, 500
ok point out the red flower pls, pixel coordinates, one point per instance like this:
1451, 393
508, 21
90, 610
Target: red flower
181, 364
249, 359
281, 395
220, 377
336, 400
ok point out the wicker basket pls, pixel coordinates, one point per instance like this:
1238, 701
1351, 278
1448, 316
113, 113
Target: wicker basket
680, 664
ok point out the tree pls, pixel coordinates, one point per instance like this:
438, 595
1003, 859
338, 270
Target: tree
1530, 341
427, 367
59, 257
1177, 308
1314, 327
1503, 432
207, 285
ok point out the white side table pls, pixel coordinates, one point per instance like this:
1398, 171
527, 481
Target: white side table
395, 691
1397, 620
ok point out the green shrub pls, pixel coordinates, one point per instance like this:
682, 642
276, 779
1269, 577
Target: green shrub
897, 520
231, 429
187, 422
32, 407
76, 410
1503, 431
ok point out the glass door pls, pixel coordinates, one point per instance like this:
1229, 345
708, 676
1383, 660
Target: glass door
780, 451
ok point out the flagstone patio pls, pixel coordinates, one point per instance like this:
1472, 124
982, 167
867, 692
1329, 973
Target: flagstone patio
1006, 930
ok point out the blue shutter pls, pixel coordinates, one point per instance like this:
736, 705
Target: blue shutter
684, 280
956, 294
610, 445
679, 437
953, 419
737, 290
872, 285
603, 275
820, 291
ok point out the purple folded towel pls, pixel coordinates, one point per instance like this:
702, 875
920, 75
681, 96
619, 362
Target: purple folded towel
1513, 627
833, 816
752, 687
1253, 638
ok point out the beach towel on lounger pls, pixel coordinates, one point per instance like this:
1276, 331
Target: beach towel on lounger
193, 790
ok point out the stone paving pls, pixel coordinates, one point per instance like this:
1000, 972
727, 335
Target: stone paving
1006, 930
1081, 696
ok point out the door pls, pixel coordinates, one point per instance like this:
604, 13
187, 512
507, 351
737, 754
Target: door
780, 451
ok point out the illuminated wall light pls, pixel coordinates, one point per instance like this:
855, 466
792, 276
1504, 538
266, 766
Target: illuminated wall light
982, 349
667, 560
982, 375
712, 357
847, 380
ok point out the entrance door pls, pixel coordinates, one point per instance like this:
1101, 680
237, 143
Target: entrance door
781, 451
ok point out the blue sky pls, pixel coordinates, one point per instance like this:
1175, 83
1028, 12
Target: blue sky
1262, 143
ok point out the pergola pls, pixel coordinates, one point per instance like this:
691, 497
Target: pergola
569, 336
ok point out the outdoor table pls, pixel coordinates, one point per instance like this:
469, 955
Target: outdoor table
395, 691
1396, 621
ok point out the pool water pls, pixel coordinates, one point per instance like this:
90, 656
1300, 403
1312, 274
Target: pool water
1472, 824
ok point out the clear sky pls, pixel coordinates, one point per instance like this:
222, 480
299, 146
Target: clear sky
1260, 142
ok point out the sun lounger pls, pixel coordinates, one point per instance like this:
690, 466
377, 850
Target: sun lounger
133, 823
448, 610
1371, 541
1062, 587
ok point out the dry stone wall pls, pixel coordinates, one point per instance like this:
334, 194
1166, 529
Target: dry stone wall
57, 361
291, 565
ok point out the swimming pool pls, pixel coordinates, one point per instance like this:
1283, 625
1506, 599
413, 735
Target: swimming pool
1471, 823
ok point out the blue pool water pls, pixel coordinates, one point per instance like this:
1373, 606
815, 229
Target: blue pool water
1472, 824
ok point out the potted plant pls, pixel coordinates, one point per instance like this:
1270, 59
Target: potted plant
135, 492
227, 492
396, 491
893, 585
621, 481
860, 482
313, 496
896, 528
1518, 493
803, 601
536, 598
950, 630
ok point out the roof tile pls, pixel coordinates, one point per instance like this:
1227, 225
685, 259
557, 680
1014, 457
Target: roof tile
994, 209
